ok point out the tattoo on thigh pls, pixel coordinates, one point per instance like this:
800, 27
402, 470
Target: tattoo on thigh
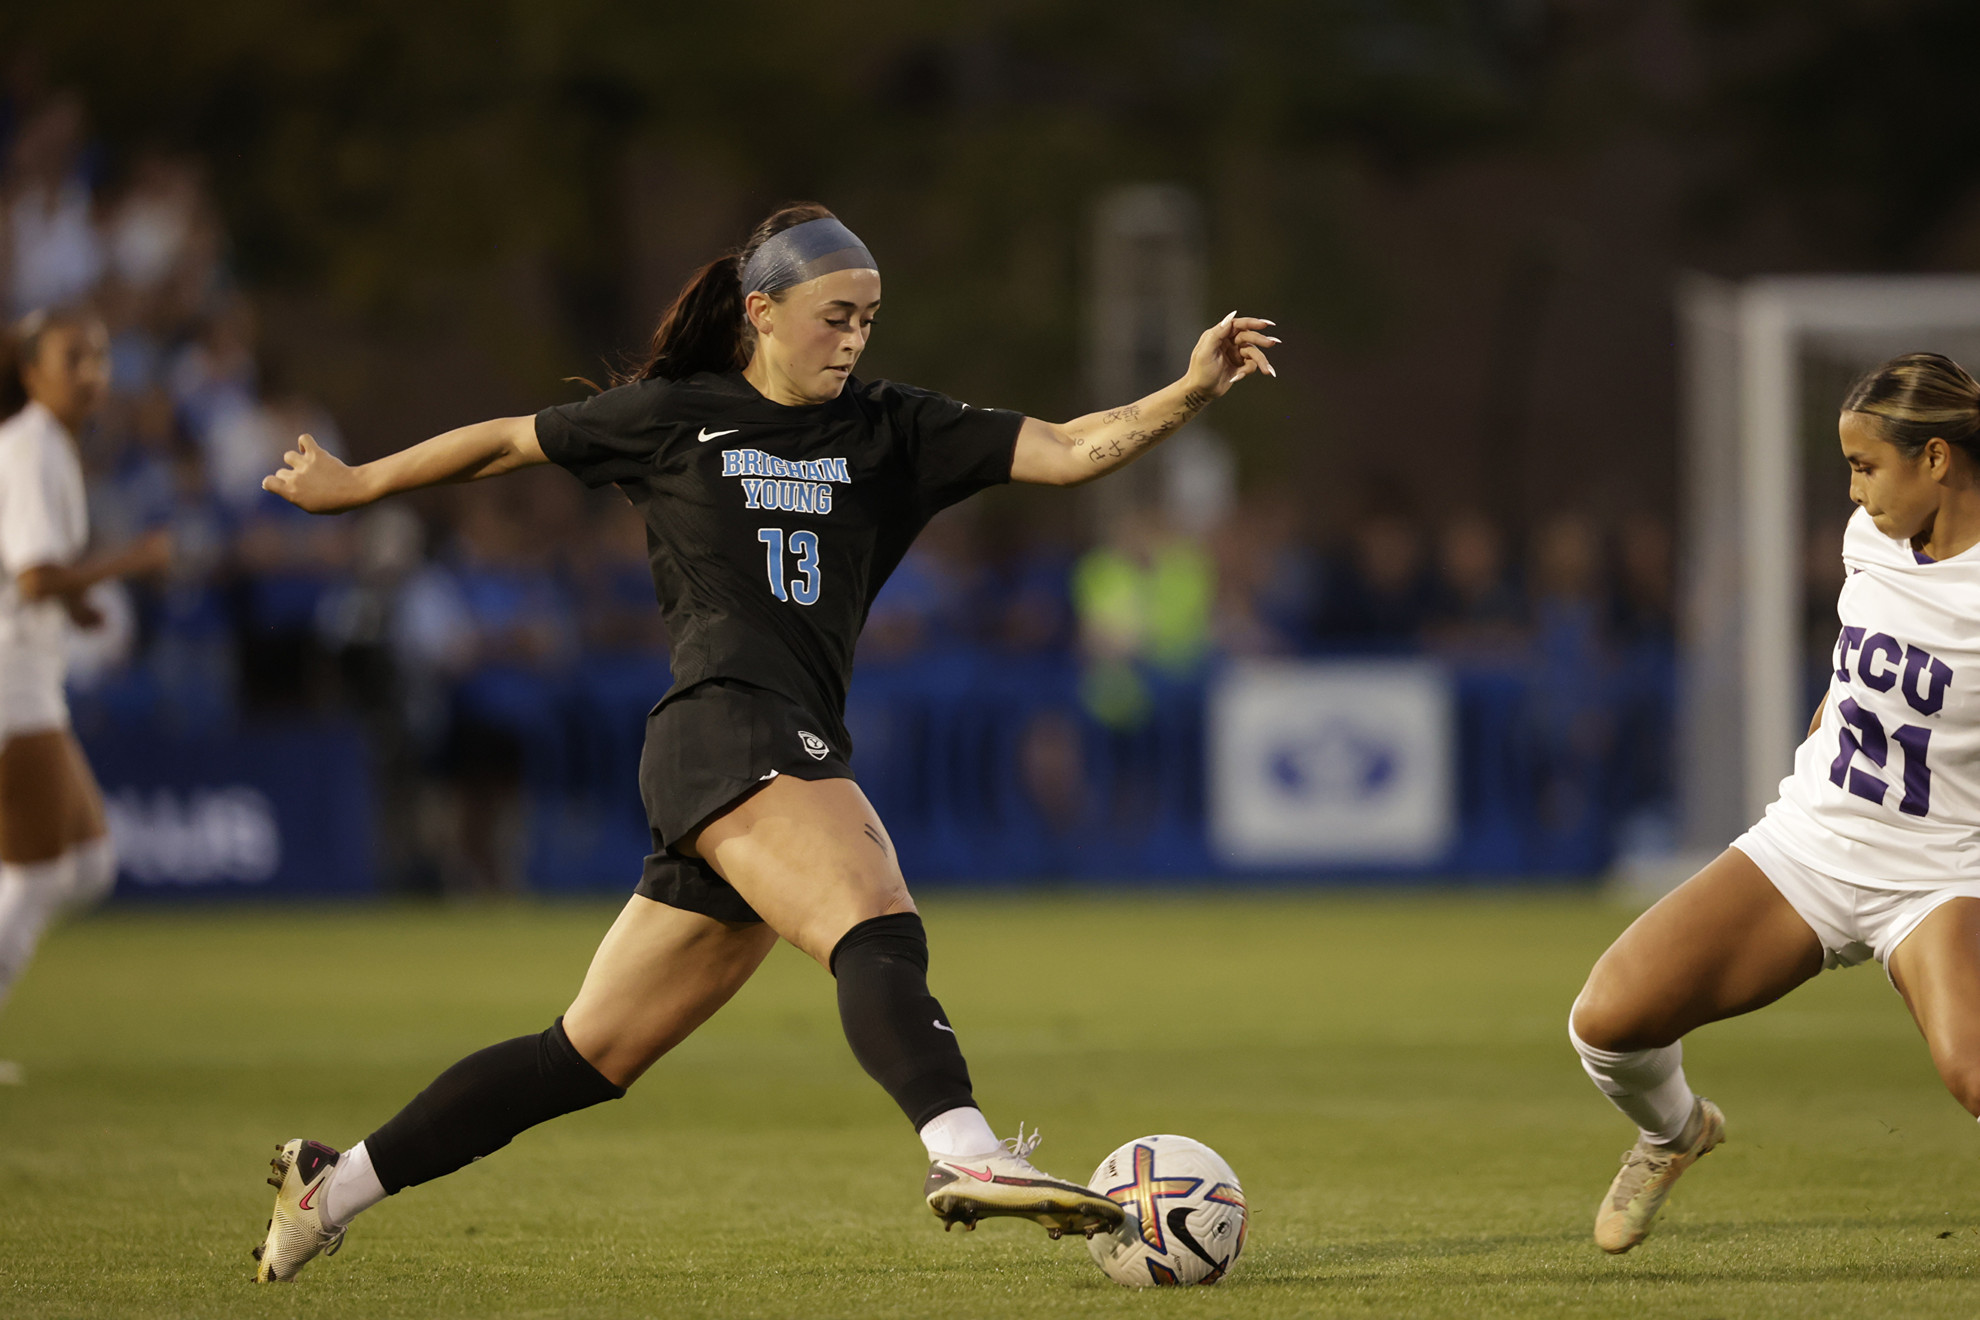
878, 840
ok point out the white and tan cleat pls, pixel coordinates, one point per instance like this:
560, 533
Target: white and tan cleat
1648, 1174
964, 1191
297, 1233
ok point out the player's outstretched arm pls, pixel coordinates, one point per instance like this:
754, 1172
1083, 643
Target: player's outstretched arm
316, 480
1068, 453
150, 553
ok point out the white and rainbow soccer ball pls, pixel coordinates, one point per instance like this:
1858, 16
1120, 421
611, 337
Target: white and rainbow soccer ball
1185, 1213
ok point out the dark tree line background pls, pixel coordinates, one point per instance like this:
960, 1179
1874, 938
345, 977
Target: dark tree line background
1467, 214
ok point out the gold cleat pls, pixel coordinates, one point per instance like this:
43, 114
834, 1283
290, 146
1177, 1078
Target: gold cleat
1005, 1183
1648, 1173
297, 1232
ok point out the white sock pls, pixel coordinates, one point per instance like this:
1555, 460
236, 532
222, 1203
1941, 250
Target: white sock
1647, 1085
31, 894
95, 874
959, 1134
354, 1187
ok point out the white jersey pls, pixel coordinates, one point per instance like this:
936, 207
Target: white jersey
1886, 792
43, 520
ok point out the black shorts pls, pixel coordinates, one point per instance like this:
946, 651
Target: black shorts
706, 750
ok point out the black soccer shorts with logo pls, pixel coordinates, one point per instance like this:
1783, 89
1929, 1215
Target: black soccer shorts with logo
707, 749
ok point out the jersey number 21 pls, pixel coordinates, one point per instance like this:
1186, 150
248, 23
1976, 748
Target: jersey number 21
805, 546
1863, 735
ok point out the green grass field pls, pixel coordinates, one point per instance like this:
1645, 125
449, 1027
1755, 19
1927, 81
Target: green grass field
1389, 1076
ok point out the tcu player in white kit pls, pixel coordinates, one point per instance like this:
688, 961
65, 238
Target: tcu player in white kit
1873, 848
55, 852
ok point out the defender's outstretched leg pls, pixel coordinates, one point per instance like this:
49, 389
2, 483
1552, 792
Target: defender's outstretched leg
1723, 943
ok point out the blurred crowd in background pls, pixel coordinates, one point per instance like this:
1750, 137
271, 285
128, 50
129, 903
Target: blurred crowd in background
451, 627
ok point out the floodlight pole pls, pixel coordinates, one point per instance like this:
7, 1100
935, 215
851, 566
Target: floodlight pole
1144, 312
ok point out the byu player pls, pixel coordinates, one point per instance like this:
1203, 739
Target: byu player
55, 850
779, 491
1873, 849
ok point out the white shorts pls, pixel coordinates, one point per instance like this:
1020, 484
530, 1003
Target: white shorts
32, 699
1854, 923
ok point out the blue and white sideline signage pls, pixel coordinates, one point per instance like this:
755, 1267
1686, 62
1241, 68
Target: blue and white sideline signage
1332, 764
283, 812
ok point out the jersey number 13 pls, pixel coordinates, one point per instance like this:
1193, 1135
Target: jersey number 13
804, 588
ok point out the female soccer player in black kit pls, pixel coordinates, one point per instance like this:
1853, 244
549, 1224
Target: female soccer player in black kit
779, 492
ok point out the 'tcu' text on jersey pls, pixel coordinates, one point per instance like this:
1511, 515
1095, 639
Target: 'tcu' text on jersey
1883, 662
798, 485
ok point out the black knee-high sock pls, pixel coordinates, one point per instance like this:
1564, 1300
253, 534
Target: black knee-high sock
897, 1031
479, 1105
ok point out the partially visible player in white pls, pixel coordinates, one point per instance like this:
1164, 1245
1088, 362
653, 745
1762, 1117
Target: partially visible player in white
1873, 849
55, 851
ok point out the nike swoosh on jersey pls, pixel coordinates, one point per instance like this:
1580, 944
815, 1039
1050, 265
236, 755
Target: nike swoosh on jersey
707, 435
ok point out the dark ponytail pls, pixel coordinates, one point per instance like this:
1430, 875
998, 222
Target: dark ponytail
1917, 397
704, 329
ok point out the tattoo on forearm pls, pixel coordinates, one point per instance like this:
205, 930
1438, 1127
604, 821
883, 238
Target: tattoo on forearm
1123, 447
878, 841
1108, 450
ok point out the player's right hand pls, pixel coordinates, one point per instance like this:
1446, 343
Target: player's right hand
315, 480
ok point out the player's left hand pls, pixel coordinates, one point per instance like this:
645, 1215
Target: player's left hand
1228, 352
315, 480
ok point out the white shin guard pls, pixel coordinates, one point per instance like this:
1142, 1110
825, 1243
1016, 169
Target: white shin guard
1647, 1085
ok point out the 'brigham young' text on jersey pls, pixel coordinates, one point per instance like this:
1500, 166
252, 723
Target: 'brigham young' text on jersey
772, 528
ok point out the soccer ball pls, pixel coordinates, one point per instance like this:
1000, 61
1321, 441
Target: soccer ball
1185, 1213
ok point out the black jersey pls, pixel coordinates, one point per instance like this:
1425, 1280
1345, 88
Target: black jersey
772, 528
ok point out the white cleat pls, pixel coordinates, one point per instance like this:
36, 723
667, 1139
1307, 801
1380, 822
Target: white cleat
12, 1074
1648, 1174
296, 1231
964, 1191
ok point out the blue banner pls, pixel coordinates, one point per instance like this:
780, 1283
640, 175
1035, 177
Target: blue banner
281, 812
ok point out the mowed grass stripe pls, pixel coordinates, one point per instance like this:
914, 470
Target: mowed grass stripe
1388, 1074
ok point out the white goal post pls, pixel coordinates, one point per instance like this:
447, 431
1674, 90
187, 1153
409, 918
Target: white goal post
1744, 362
